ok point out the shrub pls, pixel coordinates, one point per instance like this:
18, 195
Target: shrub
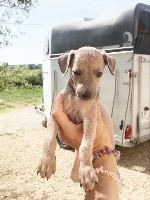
14, 76
35, 78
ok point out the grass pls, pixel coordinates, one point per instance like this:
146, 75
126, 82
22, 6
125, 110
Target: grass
20, 97
9, 134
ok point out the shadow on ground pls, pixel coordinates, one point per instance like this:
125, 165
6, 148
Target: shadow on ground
136, 158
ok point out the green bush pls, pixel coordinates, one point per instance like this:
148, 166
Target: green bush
15, 76
35, 78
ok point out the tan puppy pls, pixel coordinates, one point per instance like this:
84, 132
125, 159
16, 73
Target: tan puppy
107, 187
82, 105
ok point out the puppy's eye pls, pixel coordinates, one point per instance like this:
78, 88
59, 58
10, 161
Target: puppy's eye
77, 73
99, 74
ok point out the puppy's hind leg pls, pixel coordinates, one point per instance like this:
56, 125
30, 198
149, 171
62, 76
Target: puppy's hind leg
47, 166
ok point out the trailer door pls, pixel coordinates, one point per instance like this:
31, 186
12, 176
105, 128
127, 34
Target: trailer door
144, 97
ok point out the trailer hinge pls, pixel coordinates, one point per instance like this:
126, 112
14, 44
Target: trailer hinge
135, 141
135, 74
142, 59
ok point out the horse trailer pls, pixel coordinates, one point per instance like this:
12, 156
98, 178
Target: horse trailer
127, 94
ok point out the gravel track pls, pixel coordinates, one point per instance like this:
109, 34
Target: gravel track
21, 139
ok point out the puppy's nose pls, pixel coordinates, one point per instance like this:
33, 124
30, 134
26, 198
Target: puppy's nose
86, 95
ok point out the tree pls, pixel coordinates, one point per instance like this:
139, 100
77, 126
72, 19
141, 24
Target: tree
12, 12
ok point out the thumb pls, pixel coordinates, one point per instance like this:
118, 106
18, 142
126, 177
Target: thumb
58, 103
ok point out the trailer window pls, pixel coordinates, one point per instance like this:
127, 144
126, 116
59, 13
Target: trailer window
142, 45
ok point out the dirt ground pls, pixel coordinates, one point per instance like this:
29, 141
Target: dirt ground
21, 141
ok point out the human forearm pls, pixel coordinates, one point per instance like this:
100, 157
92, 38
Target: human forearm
70, 132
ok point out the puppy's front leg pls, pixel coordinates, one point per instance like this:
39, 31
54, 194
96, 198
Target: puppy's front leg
87, 173
47, 166
75, 169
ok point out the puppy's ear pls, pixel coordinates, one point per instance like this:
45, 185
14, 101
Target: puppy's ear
65, 61
111, 62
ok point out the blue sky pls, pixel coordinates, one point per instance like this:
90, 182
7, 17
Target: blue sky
28, 47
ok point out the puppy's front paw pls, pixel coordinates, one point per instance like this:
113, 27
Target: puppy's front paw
87, 177
47, 166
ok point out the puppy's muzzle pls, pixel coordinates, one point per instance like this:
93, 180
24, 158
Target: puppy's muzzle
85, 95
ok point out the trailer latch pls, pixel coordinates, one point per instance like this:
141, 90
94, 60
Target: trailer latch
121, 125
146, 109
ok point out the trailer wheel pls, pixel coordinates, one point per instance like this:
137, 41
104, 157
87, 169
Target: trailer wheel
63, 144
44, 123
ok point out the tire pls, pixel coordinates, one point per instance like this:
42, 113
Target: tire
63, 145
44, 123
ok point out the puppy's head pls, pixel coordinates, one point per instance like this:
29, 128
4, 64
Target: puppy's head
87, 65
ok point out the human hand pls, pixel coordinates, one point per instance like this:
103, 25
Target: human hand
70, 132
